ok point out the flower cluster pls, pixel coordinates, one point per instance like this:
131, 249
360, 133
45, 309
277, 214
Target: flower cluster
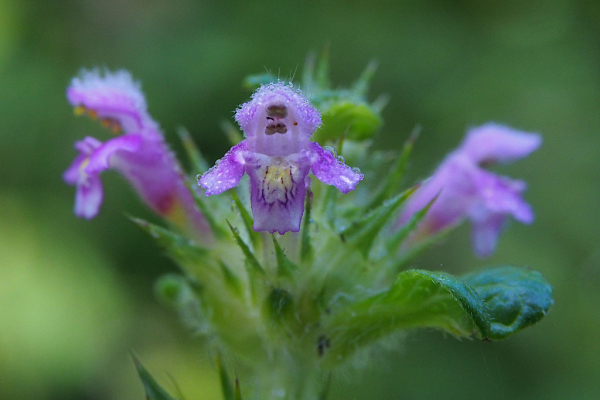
277, 155
465, 190
139, 153
292, 310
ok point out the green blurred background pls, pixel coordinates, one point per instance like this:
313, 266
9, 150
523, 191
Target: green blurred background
76, 295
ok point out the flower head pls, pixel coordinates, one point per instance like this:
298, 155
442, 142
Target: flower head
277, 155
465, 190
139, 154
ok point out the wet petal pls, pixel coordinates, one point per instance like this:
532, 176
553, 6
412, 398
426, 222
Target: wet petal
226, 173
328, 169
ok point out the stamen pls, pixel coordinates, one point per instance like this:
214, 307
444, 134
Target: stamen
109, 123
275, 128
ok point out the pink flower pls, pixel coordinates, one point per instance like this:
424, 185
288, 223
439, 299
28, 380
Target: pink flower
468, 191
277, 155
139, 154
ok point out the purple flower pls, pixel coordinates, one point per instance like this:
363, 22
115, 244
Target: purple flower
139, 154
277, 155
468, 191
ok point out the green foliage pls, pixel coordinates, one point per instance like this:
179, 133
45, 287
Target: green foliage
252, 263
306, 305
516, 297
284, 266
153, 390
180, 248
362, 232
417, 299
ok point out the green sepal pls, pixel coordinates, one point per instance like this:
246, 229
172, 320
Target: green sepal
284, 266
252, 263
306, 248
153, 390
199, 164
179, 247
416, 299
516, 297
394, 176
254, 236
362, 233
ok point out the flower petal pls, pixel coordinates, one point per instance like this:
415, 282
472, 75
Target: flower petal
88, 197
485, 233
503, 195
113, 97
100, 160
331, 171
492, 143
226, 173
277, 191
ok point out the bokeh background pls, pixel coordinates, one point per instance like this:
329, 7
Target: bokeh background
76, 296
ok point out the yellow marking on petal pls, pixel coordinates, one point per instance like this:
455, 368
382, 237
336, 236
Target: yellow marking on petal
82, 167
79, 110
278, 183
109, 123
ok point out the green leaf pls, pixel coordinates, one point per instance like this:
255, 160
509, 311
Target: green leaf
255, 237
153, 390
251, 261
284, 266
417, 299
362, 233
516, 297
179, 248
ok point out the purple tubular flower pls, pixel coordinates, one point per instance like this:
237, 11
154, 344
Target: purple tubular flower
467, 191
277, 155
140, 154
